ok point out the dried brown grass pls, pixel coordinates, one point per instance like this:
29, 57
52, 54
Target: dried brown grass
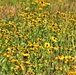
7, 11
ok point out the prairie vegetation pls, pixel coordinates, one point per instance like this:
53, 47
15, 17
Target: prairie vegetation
37, 37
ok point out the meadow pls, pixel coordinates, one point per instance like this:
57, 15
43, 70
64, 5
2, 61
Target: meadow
37, 37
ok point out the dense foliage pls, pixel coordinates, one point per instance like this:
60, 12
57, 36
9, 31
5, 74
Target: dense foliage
37, 37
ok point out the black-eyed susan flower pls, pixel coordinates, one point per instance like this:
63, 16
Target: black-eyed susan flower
54, 39
27, 8
39, 39
1, 35
57, 68
62, 57
8, 55
13, 60
60, 68
58, 12
72, 59
68, 49
40, 8
74, 66
17, 67
70, 72
47, 45
42, 3
55, 48
16, 73
66, 57
59, 0
66, 61
22, 67
35, 2
25, 54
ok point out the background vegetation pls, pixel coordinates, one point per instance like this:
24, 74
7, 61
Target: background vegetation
37, 37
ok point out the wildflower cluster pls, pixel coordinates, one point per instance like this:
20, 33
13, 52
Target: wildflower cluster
38, 37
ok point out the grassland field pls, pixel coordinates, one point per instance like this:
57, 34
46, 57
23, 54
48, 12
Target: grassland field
37, 37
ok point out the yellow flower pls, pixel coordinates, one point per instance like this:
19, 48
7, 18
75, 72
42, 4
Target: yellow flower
1, 7
35, 2
10, 22
61, 57
36, 45
72, 58
13, 60
27, 62
69, 72
4, 54
58, 12
57, 68
38, 20
51, 28
17, 67
29, 43
27, 8
66, 57
40, 8
12, 68
66, 61
53, 39
69, 57
59, 0
9, 49
47, 45
68, 49
6, 41
74, 66
22, 14
61, 68
16, 73
8, 55
55, 48
1, 35
74, 47
22, 68
54, 25
47, 3
25, 54
39, 39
